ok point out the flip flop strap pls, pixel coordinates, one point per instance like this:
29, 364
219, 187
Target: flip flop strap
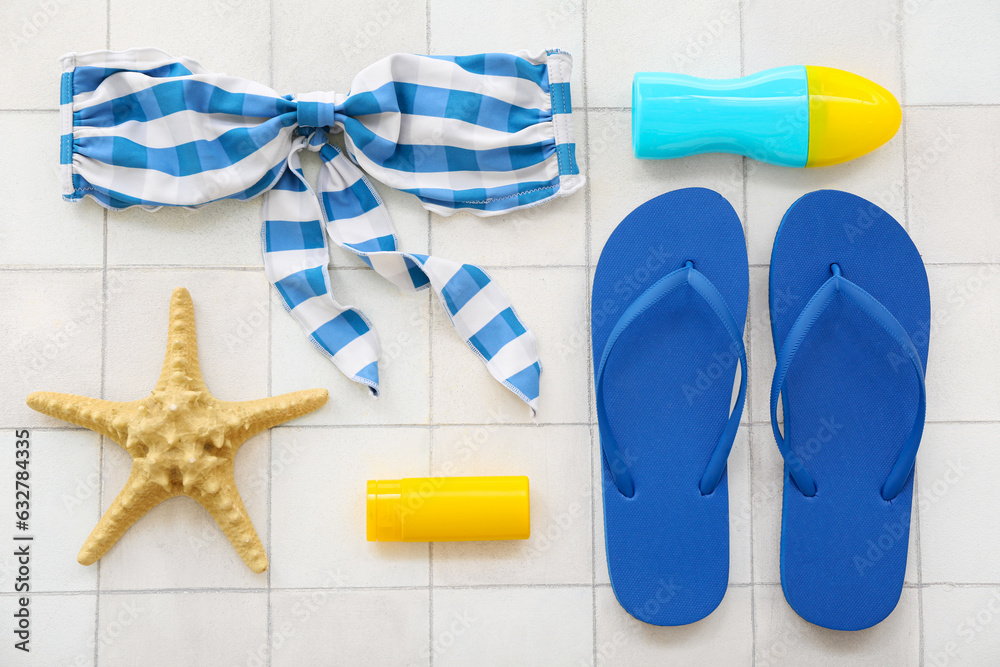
817, 304
616, 459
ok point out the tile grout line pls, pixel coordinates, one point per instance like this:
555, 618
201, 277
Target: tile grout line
104, 348
589, 262
100, 460
901, 45
455, 587
749, 401
269, 333
430, 394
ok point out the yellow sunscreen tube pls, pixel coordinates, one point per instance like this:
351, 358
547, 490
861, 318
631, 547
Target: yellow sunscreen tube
448, 509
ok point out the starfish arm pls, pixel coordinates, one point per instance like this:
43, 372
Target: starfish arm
180, 363
264, 413
226, 507
138, 497
109, 418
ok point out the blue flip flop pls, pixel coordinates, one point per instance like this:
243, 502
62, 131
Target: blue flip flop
668, 309
850, 317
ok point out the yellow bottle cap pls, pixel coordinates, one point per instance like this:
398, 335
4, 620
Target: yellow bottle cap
448, 509
848, 116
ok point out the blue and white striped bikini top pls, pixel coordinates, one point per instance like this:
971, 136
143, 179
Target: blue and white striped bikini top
488, 133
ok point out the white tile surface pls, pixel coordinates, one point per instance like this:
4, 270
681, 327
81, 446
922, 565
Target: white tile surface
761, 349
372, 627
860, 38
318, 477
558, 551
958, 466
948, 47
962, 380
512, 626
328, 51
960, 625
184, 628
335, 597
50, 323
621, 640
225, 233
783, 638
230, 36
698, 38
36, 34
62, 631
64, 482
51, 232
954, 181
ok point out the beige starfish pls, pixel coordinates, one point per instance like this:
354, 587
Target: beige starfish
182, 441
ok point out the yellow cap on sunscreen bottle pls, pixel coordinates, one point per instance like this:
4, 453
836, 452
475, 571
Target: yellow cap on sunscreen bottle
848, 116
448, 509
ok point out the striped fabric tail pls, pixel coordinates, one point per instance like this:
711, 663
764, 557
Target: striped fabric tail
296, 258
357, 221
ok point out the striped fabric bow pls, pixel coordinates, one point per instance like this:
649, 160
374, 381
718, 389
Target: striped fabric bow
489, 133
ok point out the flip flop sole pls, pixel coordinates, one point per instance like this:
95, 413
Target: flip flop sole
668, 390
850, 400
